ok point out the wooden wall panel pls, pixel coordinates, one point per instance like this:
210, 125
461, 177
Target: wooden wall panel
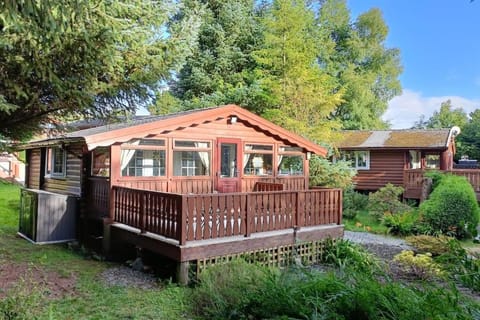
71, 183
34, 164
385, 167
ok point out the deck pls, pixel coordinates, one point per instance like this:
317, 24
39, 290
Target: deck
413, 181
186, 227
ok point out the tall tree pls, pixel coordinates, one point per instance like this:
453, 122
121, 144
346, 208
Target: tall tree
448, 117
468, 142
356, 55
84, 58
302, 96
220, 70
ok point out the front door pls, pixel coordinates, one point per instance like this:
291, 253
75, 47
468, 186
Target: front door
228, 174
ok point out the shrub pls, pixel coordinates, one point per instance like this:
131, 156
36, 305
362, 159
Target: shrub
452, 208
347, 255
386, 200
403, 224
436, 245
353, 202
224, 290
325, 173
419, 265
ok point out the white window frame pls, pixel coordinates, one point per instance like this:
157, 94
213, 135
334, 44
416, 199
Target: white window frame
186, 157
50, 160
355, 155
142, 164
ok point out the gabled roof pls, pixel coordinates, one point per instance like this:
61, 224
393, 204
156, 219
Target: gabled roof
151, 125
397, 139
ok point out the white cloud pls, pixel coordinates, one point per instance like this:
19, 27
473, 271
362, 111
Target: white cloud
404, 110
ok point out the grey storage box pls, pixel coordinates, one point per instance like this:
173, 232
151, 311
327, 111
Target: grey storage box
47, 217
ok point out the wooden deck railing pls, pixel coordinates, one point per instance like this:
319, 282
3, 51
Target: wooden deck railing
209, 216
413, 178
268, 186
98, 197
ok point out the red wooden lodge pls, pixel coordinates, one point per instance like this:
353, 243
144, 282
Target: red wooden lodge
189, 186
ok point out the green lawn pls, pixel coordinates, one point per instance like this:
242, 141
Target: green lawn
91, 299
364, 222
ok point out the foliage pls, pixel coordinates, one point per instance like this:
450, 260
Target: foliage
353, 202
303, 96
364, 222
225, 290
348, 256
325, 173
436, 245
299, 293
452, 208
355, 54
85, 58
419, 265
405, 223
221, 67
386, 200
446, 117
468, 142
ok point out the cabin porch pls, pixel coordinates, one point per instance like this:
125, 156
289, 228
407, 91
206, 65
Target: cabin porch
192, 227
413, 181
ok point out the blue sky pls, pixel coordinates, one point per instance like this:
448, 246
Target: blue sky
439, 41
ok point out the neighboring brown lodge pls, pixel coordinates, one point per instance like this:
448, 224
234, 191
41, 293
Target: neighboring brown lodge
190, 186
401, 157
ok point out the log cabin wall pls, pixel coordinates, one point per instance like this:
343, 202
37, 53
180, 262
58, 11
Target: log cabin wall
385, 167
34, 165
210, 132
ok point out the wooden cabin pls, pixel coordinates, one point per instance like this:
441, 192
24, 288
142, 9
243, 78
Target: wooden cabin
397, 156
189, 186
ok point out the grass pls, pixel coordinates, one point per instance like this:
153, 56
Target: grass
91, 298
365, 222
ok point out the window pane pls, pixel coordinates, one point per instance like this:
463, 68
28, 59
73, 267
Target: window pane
143, 163
101, 162
433, 161
290, 149
191, 144
253, 147
152, 142
191, 163
291, 165
362, 159
257, 164
415, 159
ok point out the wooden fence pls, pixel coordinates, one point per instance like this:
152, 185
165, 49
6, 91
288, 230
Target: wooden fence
210, 216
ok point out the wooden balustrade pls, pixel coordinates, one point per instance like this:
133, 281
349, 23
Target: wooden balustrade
413, 180
209, 216
98, 193
268, 186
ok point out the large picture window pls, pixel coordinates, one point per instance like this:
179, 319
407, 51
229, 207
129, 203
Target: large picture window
258, 160
432, 161
360, 159
191, 158
290, 161
55, 162
143, 158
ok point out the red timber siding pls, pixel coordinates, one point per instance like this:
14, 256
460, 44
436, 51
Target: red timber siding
385, 167
71, 183
210, 131
34, 164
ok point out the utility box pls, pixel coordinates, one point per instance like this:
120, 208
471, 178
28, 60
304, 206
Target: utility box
47, 217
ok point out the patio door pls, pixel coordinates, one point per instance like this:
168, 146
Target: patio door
228, 174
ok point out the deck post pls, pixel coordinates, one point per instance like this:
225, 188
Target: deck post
182, 220
107, 223
340, 206
299, 214
183, 268
247, 215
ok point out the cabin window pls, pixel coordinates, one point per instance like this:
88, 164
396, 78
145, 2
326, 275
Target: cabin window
360, 159
55, 162
258, 160
415, 159
290, 161
101, 162
143, 158
191, 158
432, 161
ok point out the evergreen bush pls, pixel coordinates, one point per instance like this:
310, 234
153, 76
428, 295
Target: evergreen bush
353, 202
386, 201
452, 208
325, 173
